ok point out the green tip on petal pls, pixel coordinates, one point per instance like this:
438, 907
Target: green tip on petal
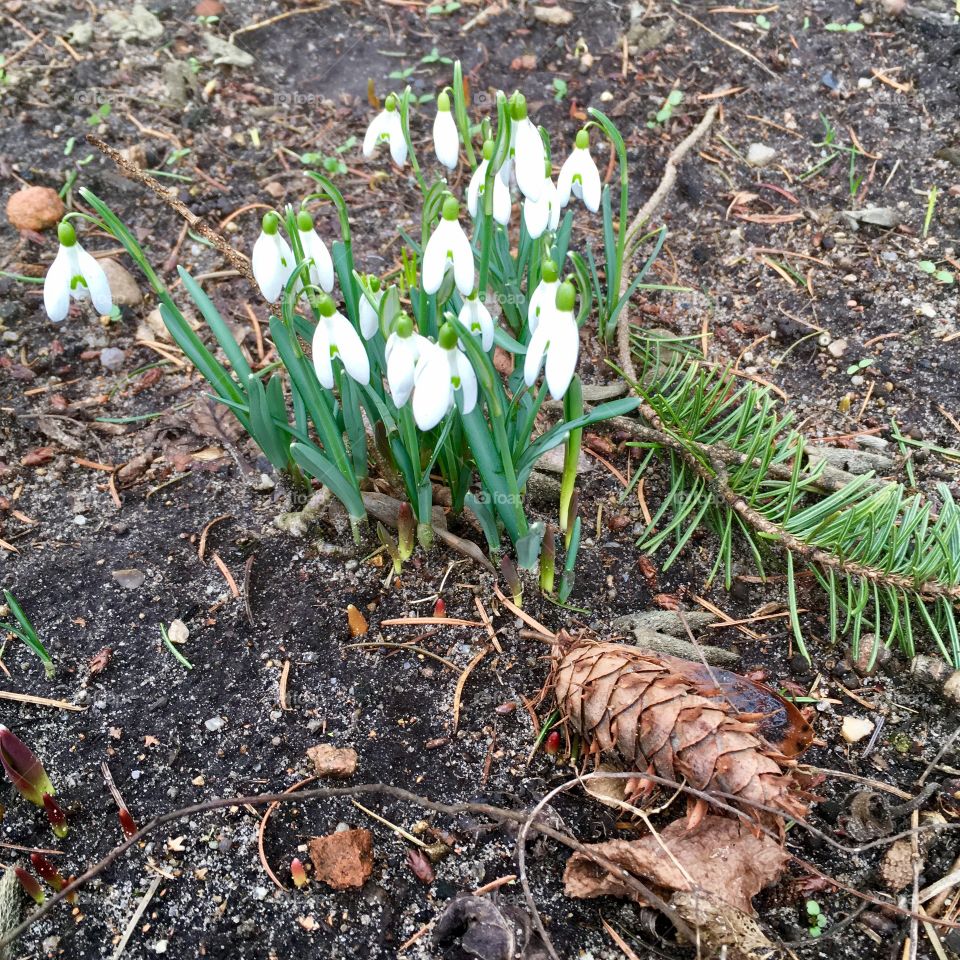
66, 234
326, 305
271, 223
443, 101
451, 209
583, 139
447, 337
549, 271
487, 149
390, 103
518, 107
566, 296
404, 326
304, 221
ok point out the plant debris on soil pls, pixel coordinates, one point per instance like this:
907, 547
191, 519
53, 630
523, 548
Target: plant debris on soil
198, 620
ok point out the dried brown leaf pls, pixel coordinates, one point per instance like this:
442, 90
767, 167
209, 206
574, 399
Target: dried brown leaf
722, 858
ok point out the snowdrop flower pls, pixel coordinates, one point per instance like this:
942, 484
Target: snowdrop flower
501, 192
272, 260
336, 337
544, 298
321, 271
475, 316
74, 273
529, 155
558, 339
404, 349
446, 140
448, 247
386, 126
579, 175
370, 314
540, 214
443, 369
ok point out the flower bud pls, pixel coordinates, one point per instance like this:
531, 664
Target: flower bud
30, 885
23, 768
297, 873
48, 872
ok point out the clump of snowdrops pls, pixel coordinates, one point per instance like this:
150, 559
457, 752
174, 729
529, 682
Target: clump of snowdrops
397, 370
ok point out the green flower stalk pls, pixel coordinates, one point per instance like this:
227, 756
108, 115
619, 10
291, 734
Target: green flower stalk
23, 768
572, 409
548, 559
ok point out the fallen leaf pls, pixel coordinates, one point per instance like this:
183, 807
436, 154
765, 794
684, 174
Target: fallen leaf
150, 741
420, 867
98, 663
554, 16
37, 457
720, 857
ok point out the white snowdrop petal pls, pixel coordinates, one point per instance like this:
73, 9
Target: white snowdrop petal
56, 286
502, 204
468, 381
369, 317
534, 358
474, 190
97, 284
320, 348
446, 140
530, 159
433, 392
562, 353
349, 347
565, 179
536, 216
463, 266
434, 263
321, 273
398, 145
371, 138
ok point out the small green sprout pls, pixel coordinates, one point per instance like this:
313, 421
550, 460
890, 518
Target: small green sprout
24, 631
674, 99
859, 365
559, 89
443, 9
815, 918
852, 27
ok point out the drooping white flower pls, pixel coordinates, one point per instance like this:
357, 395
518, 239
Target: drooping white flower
272, 260
404, 349
475, 316
443, 370
529, 154
370, 314
387, 127
558, 340
543, 213
579, 175
74, 273
321, 270
501, 193
543, 300
448, 248
336, 337
446, 140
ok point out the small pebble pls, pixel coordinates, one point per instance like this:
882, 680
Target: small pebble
855, 729
111, 358
215, 723
759, 154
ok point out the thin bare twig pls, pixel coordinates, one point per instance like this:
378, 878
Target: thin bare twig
197, 224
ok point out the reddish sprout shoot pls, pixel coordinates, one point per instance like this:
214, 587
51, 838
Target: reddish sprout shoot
439, 608
126, 823
25, 771
47, 872
509, 573
30, 885
552, 743
72, 895
297, 872
406, 531
56, 816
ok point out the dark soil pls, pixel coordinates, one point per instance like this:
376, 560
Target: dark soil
148, 717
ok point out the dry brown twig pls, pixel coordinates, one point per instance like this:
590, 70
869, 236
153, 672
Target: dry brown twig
197, 224
643, 215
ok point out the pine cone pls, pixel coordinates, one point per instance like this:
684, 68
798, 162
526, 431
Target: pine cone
652, 713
